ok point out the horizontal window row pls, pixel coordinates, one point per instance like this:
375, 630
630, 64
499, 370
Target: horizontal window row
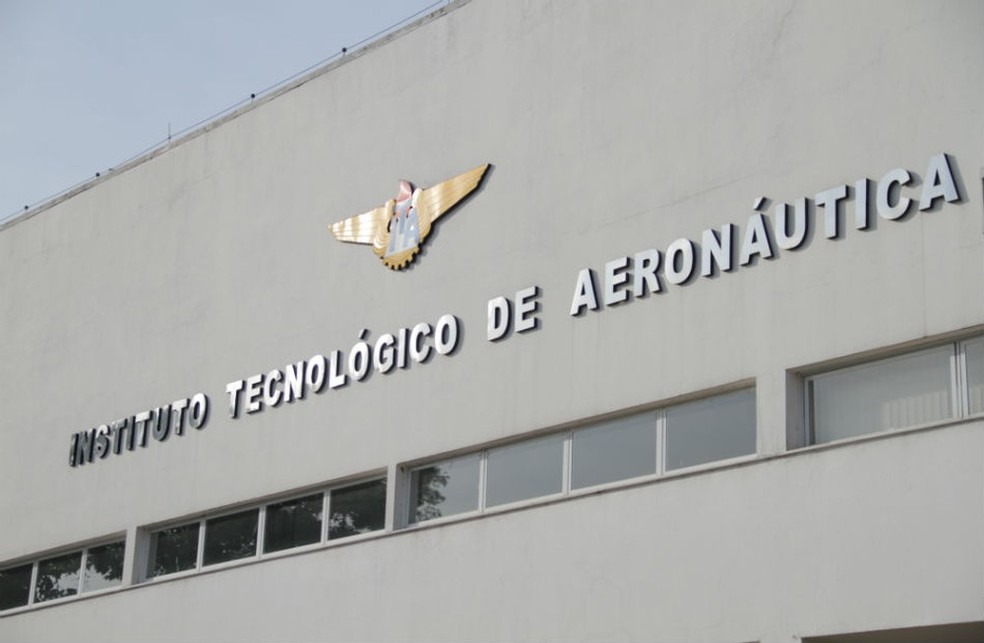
926, 386
266, 529
941, 383
646, 444
77, 572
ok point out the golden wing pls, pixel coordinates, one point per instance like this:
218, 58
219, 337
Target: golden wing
369, 227
433, 202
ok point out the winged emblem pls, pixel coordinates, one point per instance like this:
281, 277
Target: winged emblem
397, 230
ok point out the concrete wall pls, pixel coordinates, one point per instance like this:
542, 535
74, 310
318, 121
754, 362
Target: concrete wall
859, 538
613, 128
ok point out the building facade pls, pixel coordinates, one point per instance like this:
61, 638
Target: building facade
694, 352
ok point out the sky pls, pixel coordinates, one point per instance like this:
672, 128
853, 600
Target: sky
87, 84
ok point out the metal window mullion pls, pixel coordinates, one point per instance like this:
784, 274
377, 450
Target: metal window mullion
260, 530
483, 468
661, 442
961, 394
394, 485
568, 464
808, 415
325, 514
34, 582
200, 557
407, 493
83, 562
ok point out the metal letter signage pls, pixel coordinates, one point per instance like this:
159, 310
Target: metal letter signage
397, 229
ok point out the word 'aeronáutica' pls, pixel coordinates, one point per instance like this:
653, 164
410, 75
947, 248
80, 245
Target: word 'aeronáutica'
683, 258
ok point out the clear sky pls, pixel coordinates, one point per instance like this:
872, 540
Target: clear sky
86, 84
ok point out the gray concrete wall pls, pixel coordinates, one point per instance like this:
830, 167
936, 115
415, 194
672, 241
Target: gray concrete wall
812, 544
613, 128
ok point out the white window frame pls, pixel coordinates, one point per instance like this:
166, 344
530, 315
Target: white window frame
85, 558
329, 542
407, 491
227, 563
958, 393
963, 378
83, 550
323, 535
261, 507
567, 490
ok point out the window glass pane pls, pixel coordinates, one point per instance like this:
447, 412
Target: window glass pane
893, 393
444, 488
15, 586
293, 523
173, 550
58, 577
617, 450
525, 470
103, 567
357, 509
975, 375
230, 537
717, 428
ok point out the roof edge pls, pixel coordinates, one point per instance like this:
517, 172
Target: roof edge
235, 111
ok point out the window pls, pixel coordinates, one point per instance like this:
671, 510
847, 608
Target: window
293, 523
358, 509
103, 567
15, 586
611, 451
527, 469
974, 358
58, 577
713, 429
916, 388
173, 550
230, 537
278, 526
444, 488
716, 428
85, 570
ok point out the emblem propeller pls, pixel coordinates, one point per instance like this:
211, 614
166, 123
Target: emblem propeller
397, 230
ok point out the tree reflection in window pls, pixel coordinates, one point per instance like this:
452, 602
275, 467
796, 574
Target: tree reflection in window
58, 577
103, 567
445, 488
230, 537
357, 509
15, 586
174, 550
293, 523
427, 500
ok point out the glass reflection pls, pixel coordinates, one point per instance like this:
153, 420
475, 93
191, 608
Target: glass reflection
526, 470
444, 488
58, 577
293, 523
15, 586
975, 375
230, 537
103, 567
617, 450
173, 550
716, 428
889, 394
357, 509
